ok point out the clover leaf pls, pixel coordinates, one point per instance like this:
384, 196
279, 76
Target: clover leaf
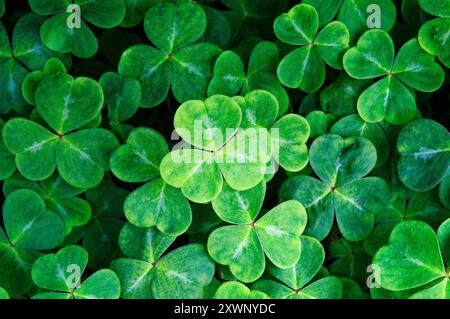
340, 97
155, 203
435, 8
237, 290
423, 206
413, 259
304, 67
161, 205
138, 160
122, 96
27, 221
135, 11
391, 98
175, 62
244, 245
341, 164
319, 123
432, 39
38, 151
433, 34
2, 7
33, 79
222, 150
7, 165
26, 52
59, 36
355, 13
443, 234
295, 281
182, 273
230, 77
58, 196
288, 134
218, 29
60, 274
424, 147
353, 125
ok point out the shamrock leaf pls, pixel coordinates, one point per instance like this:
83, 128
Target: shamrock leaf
161, 205
25, 53
391, 98
61, 273
433, 35
58, 196
155, 203
230, 77
290, 149
304, 67
222, 150
288, 135
433, 39
33, 79
243, 246
218, 29
30, 226
413, 259
122, 95
296, 279
340, 97
38, 151
135, 11
443, 235
138, 160
341, 164
60, 35
435, 7
175, 62
424, 146
353, 125
319, 123
74, 102
356, 14
237, 290
239, 207
24, 223
7, 165
182, 273
423, 206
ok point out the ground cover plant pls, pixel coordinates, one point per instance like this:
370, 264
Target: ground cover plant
225, 149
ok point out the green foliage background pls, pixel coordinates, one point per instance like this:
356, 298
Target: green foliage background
356, 203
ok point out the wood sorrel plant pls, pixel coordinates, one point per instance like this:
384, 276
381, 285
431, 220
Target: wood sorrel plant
312, 158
